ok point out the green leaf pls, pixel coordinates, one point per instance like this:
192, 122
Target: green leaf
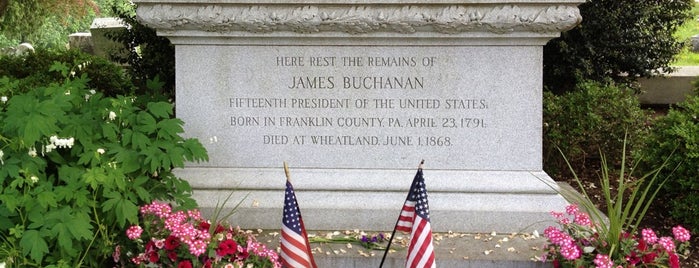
145, 123
169, 128
122, 207
94, 177
46, 199
59, 67
31, 119
109, 131
140, 141
160, 109
34, 245
197, 151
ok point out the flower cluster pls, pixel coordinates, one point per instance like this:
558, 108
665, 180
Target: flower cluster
577, 243
168, 238
373, 242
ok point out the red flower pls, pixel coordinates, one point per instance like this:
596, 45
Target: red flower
219, 229
226, 247
184, 264
172, 255
204, 226
650, 257
150, 246
642, 246
153, 257
207, 263
556, 263
243, 255
172, 242
674, 260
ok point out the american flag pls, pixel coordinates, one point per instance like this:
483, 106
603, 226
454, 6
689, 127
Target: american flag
296, 251
415, 218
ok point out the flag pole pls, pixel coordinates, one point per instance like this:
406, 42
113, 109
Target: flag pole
303, 228
390, 239
286, 171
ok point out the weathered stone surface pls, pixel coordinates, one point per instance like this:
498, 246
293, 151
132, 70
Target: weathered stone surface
353, 95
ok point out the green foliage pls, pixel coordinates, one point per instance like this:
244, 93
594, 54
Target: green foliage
595, 118
45, 24
30, 71
678, 131
621, 39
151, 56
75, 166
690, 28
627, 198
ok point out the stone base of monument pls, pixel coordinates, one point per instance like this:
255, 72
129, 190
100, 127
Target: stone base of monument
482, 250
502, 201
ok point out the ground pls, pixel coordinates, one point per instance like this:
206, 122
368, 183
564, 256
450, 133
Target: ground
657, 217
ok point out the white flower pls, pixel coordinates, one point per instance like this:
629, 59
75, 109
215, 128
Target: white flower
100, 151
67, 93
2, 265
112, 116
87, 97
93, 92
64, 143
50, 147
32, 152
72, 73
34, 179
3, 99
1, 162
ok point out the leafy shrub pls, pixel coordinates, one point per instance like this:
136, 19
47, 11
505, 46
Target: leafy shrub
151, 57
74, 167
595, 118
678, 131
31, 71
629, 37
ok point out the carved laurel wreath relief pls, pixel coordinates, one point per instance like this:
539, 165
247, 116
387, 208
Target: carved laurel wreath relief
360, 19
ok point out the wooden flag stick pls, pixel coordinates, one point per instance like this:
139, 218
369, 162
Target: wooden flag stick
286, 171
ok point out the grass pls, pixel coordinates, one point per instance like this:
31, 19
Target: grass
685, 33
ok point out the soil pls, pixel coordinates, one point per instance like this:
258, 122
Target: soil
657, 217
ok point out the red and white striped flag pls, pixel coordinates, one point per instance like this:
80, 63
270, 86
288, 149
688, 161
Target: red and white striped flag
415, 218
296, 251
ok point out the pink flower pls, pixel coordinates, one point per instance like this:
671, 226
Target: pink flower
116, 254
667, 243
572, 209
159, 243
603, 261
134, 232
649, 236
570, 251
557, 215
681, 234
582, 219
197, 247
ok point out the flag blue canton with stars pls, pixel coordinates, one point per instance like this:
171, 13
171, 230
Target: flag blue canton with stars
419, 195
292, 218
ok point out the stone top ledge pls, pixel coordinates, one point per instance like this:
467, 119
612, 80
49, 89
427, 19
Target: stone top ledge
366, 17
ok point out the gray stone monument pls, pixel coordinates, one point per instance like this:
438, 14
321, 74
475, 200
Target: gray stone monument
353, 94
